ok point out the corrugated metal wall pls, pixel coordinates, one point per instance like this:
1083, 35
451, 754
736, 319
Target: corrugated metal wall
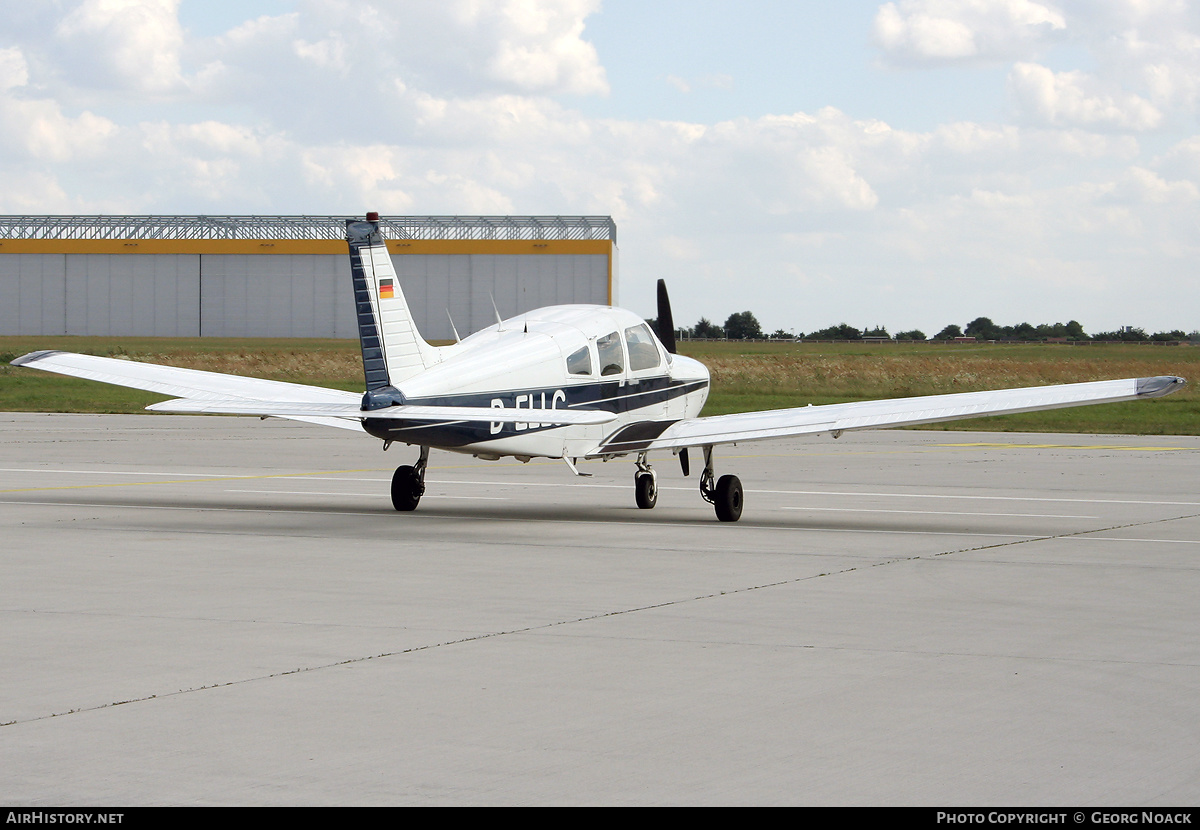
466, 285
276, 295
100, 294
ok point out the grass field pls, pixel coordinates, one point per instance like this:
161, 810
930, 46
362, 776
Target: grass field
745, 376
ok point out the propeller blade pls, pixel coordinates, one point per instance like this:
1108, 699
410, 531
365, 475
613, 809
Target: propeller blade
683, 463
665, 323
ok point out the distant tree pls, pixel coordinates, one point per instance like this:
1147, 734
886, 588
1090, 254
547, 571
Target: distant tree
948, 333
915, 334
1168, 336
841, 331
1021, 331
780, 334
707, 328
743, 326
1129, 334
982, 328
878, 331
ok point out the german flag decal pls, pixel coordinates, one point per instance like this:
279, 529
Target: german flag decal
385, 289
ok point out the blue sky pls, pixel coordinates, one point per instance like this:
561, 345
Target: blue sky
909, 163
775, 58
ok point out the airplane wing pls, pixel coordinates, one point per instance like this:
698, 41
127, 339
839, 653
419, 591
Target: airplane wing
837, 418
217, 393
188, 383
177, 382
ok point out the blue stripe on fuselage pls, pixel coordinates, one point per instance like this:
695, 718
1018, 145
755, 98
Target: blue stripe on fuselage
617, 396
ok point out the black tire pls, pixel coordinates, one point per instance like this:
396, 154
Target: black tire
728, 499
407, 488
646, 489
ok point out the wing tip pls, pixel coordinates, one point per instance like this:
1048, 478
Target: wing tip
1159, 386
34, 357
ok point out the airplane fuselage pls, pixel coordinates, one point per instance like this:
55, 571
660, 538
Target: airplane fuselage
560, 357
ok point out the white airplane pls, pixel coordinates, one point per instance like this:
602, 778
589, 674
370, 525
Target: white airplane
568, 382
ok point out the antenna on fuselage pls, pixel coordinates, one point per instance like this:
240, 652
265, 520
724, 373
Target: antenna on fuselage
499, 322
453, 328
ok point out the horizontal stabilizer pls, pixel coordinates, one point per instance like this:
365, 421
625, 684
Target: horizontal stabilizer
406, 412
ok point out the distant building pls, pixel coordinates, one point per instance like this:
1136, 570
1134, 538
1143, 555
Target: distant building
287, 276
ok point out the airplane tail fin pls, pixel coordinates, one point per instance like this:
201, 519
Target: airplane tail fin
392, 348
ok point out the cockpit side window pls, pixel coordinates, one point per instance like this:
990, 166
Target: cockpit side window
580, 362
643, 353
612, 360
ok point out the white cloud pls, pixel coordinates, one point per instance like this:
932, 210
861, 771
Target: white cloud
457, 47
1150, 48
14, 71
34, 193
1183, 159
679, 83
393, 69
1138, 184
37, 130
921, 31
328, 54
131, 44
1069, 99
540, 44
917, 35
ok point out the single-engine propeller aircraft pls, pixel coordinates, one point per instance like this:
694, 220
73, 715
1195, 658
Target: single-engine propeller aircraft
569, 382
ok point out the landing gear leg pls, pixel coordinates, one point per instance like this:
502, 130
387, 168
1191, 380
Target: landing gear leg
725, 495
408, 483
645, 484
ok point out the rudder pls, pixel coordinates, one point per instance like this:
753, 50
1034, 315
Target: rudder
392, 348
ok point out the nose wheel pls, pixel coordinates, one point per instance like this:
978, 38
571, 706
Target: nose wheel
408, 483
645, 484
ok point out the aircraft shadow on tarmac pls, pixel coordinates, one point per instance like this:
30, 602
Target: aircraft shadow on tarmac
247, 511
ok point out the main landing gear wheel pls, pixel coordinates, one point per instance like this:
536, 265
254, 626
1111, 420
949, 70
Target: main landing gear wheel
407, 488
725, 495
646, 489
408, 483
728, 499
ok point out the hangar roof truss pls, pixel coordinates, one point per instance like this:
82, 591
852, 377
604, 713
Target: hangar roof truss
305, 227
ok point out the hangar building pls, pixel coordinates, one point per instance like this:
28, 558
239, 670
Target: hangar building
287, 276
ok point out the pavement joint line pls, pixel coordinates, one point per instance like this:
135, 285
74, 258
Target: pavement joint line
430, 646
1079, 534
